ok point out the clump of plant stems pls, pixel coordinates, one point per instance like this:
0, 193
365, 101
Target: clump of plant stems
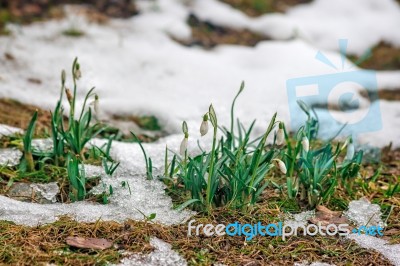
71, 137
237, 169
233, 174
313, 172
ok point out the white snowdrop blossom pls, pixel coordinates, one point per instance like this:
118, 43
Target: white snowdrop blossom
280, 135
95, 104
306, 144
281, 165
204, 125
78, 74
184, 145
350, 151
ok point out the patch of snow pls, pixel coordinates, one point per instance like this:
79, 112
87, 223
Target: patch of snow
319, 22
10, 157
48, 191
42, 145
391, 252
6, 130
299, 219
162, 255
363, 213
147, 196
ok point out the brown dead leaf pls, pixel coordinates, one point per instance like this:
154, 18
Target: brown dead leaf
324, 217
34, 80
392, 232
9, 56
93, 243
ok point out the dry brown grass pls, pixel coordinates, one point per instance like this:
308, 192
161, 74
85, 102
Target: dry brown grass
21, 245
384, 57
16, 114
209, 35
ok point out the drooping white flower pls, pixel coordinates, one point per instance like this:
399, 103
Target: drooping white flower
204, 125
77, 71
306, 144
184, 145
350, 151
95, 104
280, 135
281, 165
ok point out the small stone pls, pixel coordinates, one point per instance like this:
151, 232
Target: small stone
39, 193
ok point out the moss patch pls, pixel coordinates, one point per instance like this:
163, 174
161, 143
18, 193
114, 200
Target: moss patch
256, 8
73, 32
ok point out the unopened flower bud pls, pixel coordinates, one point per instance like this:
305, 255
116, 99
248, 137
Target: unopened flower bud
69, 95
63, 77
280, 135
306, 144
281, 165
350, 150
204, 125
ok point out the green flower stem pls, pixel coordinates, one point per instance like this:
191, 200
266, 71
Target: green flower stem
211, 170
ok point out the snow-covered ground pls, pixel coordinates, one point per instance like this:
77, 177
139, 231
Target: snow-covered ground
137, 68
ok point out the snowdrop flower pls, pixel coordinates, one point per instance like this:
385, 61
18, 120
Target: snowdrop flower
95, 104
77, 72
184, 145
350, 150
281, 166
280, 135
204, 125
306, 144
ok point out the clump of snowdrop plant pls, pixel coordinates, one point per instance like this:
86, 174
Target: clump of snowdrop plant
312, 174
69, 140
232, 174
